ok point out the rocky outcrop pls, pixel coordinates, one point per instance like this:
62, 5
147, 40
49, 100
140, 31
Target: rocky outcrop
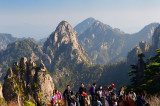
143, 47
16, 50
65, 53
64, 42
26, 81
149, 50
1, 94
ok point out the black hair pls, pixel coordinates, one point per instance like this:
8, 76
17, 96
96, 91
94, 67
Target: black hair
122, 87
56, 90
100, 86
94, 83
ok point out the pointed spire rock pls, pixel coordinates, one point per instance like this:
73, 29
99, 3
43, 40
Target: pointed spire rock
64, 40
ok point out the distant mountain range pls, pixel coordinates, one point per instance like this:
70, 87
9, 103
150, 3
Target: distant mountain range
61, 54
105, 44
5, 39
69, 56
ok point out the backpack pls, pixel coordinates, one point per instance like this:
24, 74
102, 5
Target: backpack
90, 90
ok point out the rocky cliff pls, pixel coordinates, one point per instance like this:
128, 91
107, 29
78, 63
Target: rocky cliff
149, 50
61, 54
16, 50
143, 47
105, 44
26, 81
65, 52
1, 94
156, 39
64, 41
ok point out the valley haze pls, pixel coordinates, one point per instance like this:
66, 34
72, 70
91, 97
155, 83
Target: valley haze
48, 44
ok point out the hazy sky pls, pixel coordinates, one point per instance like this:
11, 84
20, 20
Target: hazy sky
38, 18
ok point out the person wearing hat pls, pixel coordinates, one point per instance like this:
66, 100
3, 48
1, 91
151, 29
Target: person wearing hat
112, 86
132, 95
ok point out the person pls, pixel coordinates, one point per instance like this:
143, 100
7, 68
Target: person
54, 99
106, 95
73, 103
98, 99
132, 95
93, 90
140, 100
112, 97
77, 99
83, 94
121, 92
93, 94
82, 89
58, 94
100, 93
67, 95
112, 86
40, 102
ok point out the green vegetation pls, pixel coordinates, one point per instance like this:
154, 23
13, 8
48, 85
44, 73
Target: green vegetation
3, 102
26, 103
16, 50
151, 77
105, 75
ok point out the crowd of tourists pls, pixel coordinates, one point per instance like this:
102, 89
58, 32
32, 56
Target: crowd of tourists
100, 96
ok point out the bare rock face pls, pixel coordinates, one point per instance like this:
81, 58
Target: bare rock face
23, 63
64, 40
156, 39
45, 85
143, 47
16, 50
66, 55
25, 81
1, 94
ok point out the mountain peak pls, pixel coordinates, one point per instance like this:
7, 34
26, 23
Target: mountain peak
64, 26
65, 23
84, 25
64, 38
90, 19
63, 34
